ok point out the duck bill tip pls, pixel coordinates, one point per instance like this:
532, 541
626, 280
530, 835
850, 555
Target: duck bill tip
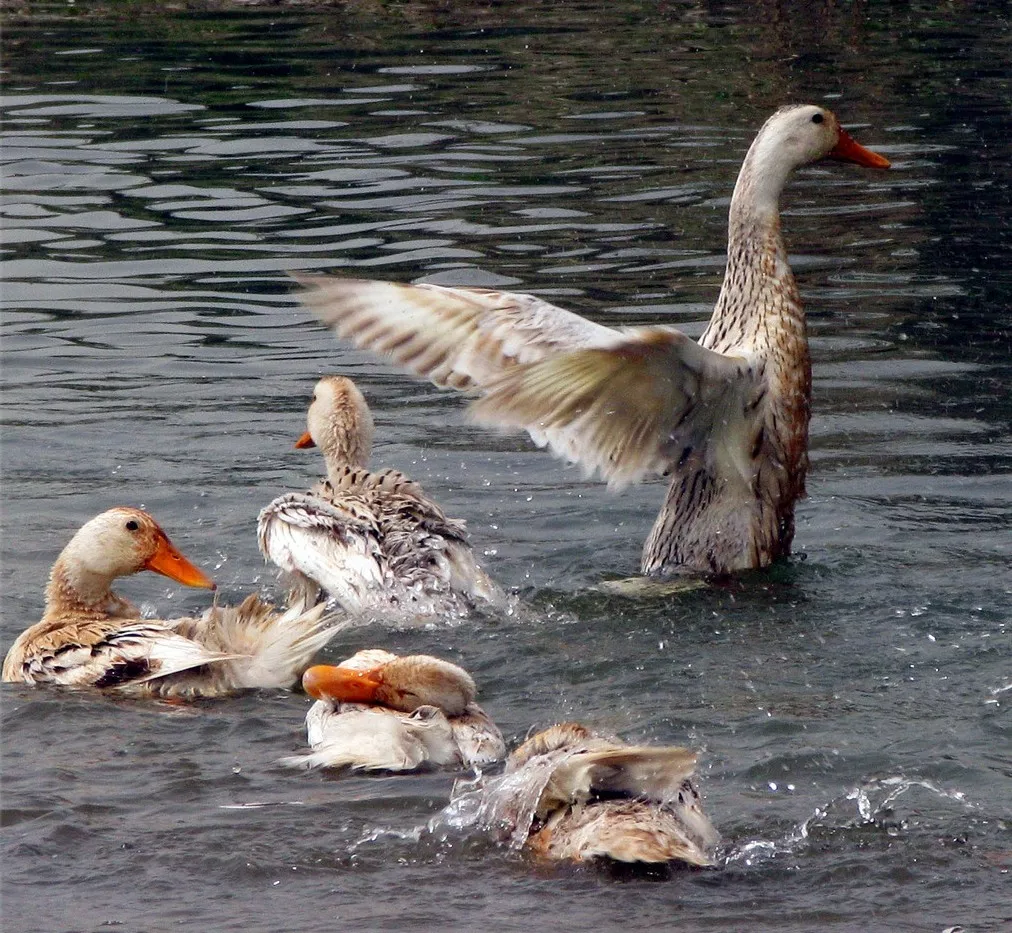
848, 149
169, 562
305, 441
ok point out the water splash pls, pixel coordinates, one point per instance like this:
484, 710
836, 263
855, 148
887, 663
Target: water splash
869, 803
504, 805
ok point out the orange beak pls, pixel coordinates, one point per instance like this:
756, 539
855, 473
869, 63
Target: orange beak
848, 149
169, 562
305, 441
326, 682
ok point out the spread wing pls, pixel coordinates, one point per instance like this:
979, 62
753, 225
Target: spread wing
654, 399
620, 403
460, 338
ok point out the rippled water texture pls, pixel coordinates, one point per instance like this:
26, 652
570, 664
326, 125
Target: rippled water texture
163, 171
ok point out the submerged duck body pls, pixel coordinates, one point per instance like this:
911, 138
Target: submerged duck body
570, 794
90, 637
725, 418
372, 540
380, 712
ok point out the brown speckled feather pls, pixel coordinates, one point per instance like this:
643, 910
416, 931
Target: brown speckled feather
569, 793
371, 540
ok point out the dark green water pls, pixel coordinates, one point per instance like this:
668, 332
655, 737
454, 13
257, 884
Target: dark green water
161, 172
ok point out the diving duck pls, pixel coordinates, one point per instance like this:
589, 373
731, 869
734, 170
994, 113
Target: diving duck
90, 637
570, 794
371, 540
380, 712
725, 418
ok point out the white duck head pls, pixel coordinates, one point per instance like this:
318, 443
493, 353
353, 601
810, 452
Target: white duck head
796, 135
339, 423
117, 543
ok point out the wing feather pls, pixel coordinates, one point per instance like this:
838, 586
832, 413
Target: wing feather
626, 410
459, 338
621, 403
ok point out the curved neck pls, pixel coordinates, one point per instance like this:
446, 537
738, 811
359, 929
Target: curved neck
341, 453
759, 288
74, 588
344, 436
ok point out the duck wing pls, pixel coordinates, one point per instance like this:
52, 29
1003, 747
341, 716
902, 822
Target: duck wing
623, 403
109, 653
653, 399
425, 550
396, 501
643, 771
460, 338
369, 739
335, 543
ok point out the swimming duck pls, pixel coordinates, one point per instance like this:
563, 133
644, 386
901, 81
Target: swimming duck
373, 541
725, 418
380, 712
570, 794
91, 637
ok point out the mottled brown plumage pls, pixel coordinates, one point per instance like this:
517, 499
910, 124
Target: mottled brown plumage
725, 418
373, 541
569, 793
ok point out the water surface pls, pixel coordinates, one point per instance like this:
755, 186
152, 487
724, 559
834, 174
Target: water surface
163, 172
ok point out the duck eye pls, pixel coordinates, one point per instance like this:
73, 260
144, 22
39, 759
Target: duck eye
817, 118
132, 525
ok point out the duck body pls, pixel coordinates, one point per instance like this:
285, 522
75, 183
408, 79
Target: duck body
90, 637
726, 419
380, 712
570, 794
371, 540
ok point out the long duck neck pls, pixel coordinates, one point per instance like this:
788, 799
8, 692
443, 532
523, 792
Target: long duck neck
759, 310
341, 425
759, 306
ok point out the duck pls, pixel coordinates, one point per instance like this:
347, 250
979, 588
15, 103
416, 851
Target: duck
377, 711
373, 541
569, 793
725, 418
91, 637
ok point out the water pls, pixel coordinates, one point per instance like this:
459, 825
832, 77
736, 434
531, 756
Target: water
162, 171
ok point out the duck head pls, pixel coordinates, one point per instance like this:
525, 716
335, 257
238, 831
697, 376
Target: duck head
117, 543
402, 683
794, 136
339, 423
799, 134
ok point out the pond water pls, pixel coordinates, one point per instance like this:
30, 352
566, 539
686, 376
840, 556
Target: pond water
162, 171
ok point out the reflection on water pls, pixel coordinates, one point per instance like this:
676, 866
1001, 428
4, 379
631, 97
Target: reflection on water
163, 172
